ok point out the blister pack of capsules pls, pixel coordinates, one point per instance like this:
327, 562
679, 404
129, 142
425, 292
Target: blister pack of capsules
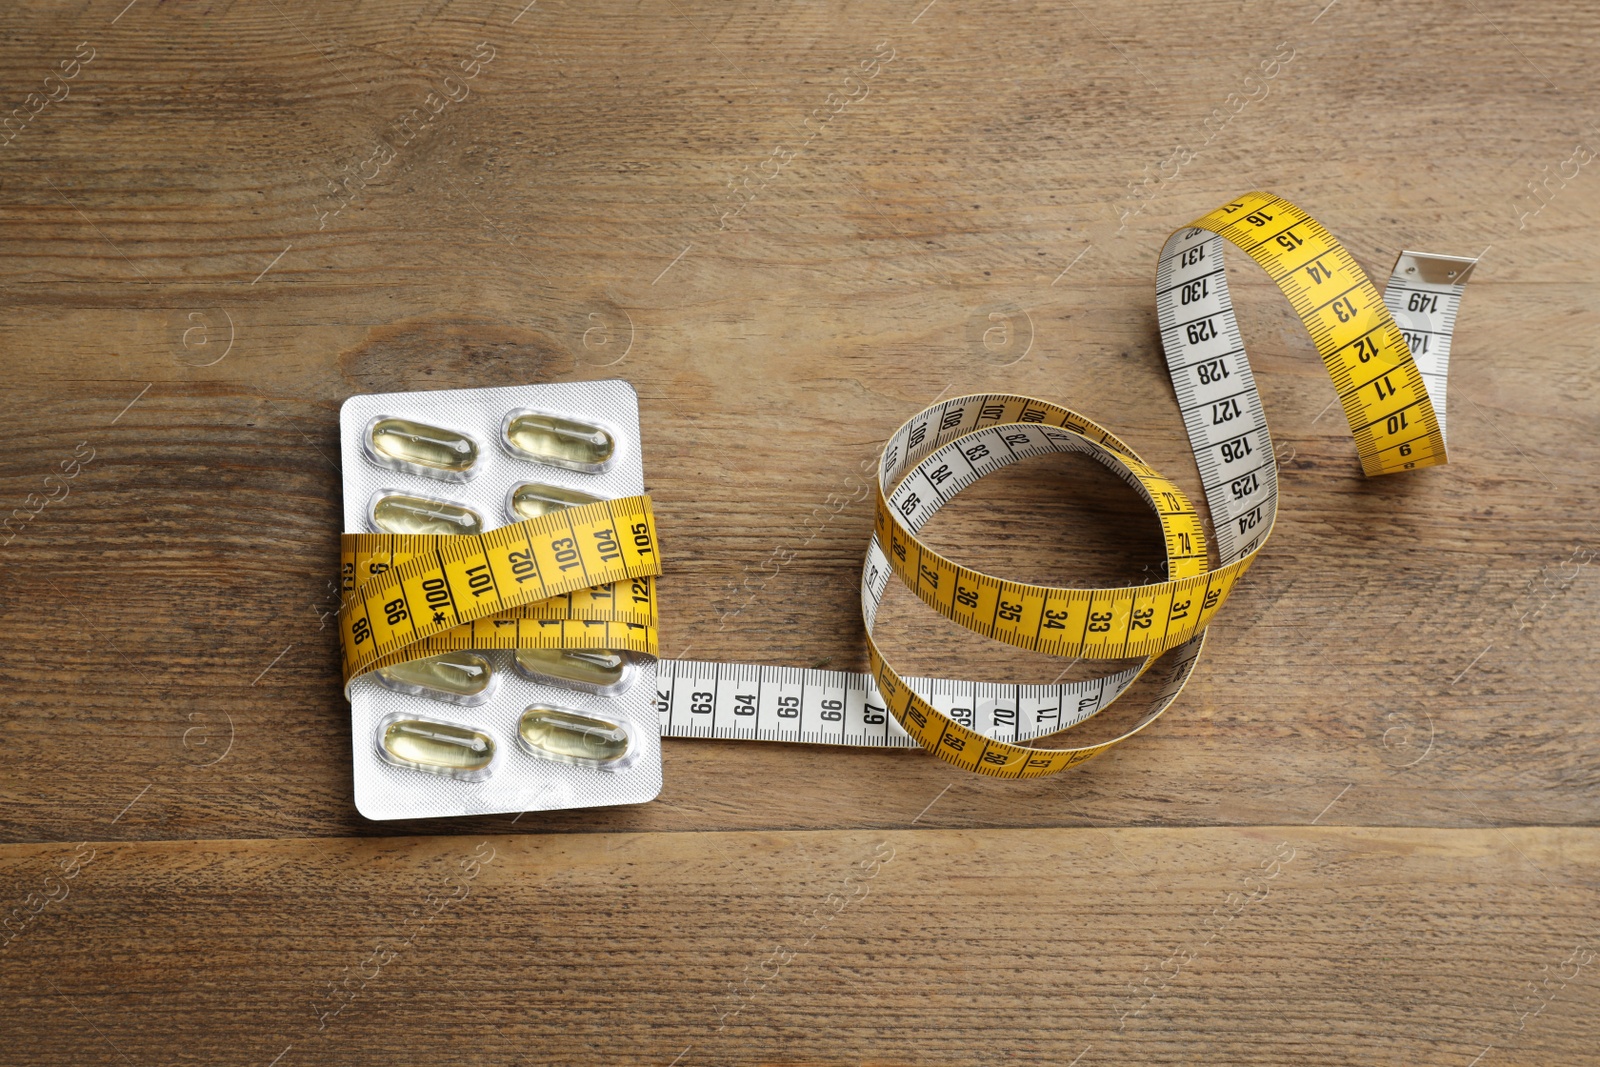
481, 731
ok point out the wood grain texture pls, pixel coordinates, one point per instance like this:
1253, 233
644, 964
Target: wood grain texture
201, 258
1260, 945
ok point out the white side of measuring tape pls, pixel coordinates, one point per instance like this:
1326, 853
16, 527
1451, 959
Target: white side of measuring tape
1423, 295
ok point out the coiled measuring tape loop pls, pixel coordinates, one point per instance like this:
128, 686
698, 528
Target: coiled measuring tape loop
1381, 371
943, 450
558, 581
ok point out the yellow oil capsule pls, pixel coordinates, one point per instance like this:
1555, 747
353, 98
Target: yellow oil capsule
575, 737
456, 677
602, 671
436, 747
558, 441
418, 448
401, 513
533, 499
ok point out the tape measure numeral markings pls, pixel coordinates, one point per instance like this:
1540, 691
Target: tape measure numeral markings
1101, 622
1423, 297
453, 580
733, 701
1093, 623
368, 556
583, 578
1378, 372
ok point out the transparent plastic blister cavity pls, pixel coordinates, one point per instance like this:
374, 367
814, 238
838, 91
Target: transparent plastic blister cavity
485, 731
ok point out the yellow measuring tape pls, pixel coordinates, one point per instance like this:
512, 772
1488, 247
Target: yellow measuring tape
583, 578
579, 578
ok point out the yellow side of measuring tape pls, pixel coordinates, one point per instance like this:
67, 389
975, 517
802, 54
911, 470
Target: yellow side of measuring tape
551, 582
1380, 386
583, 578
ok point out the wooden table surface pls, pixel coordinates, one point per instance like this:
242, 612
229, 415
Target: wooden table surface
1366, 832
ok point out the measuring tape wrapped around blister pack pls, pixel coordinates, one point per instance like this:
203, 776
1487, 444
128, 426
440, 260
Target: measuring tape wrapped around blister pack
582, 577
